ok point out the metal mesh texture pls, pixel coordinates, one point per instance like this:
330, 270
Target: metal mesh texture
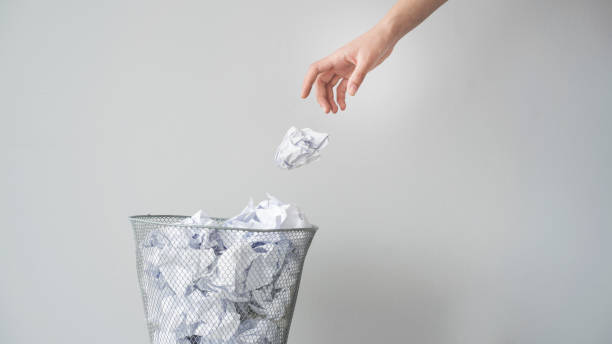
212, 284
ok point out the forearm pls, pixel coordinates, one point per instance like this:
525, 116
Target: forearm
404, 16
348, 66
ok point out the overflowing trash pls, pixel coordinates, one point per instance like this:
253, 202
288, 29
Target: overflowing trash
214, 285
300, 147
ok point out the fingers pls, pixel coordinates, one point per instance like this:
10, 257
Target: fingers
330, 92
314, 70
325, 83
357, 78
322, 94
322, 75
341, 94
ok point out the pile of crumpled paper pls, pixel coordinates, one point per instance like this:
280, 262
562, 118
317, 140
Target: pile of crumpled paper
208, 285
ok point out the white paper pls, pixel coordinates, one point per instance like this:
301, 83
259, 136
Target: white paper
232, 267
299, 147
219, 321
269, 214
216, 285
267, 264
257, 332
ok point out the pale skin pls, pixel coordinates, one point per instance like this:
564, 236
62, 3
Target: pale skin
346, 68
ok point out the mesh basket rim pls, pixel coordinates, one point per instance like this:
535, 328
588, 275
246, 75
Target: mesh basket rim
153, 219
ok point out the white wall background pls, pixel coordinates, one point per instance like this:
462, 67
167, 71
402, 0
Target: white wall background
465, 197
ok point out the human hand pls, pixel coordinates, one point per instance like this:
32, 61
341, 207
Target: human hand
347, 66
350, 64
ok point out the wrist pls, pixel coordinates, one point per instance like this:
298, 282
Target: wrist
389, 30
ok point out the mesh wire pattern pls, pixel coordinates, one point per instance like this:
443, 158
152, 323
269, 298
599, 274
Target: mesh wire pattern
212, 284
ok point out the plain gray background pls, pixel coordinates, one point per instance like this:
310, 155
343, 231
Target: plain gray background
465, 196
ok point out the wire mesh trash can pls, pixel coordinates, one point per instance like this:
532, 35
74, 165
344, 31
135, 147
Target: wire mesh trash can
212, 284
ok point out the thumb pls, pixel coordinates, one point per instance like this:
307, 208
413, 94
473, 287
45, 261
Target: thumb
357, 78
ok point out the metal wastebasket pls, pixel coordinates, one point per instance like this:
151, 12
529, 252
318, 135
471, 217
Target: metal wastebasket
212, 284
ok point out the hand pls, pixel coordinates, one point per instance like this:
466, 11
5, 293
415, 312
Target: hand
350, 64
347, 66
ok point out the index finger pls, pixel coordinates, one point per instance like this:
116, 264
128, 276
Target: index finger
315, 69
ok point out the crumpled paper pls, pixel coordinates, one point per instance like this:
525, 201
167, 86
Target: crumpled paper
209, 285
260, 331
269, 214
299, 147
